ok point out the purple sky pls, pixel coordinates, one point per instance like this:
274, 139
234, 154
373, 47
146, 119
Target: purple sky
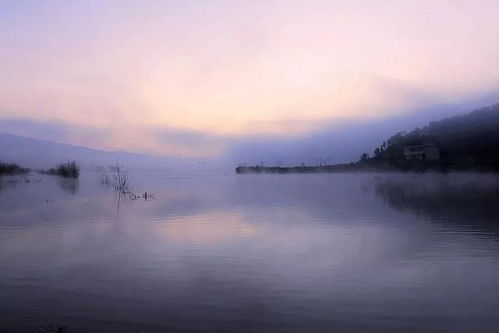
196, 77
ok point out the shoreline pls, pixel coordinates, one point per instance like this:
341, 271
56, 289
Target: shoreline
401, 166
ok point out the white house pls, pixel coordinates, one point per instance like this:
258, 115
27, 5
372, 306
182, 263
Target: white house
426, 152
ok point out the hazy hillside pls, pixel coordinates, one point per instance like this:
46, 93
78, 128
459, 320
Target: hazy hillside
41, 154
467, 141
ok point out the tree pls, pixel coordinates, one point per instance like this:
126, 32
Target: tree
364, 157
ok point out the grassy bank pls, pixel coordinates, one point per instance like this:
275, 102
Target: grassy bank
369, 165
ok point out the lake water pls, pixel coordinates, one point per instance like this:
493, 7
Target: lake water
251, 253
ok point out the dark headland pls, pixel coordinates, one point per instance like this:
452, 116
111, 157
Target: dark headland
463, 143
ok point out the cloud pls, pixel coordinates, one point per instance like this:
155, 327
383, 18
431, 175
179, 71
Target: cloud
190, 142
194, 77
337, 140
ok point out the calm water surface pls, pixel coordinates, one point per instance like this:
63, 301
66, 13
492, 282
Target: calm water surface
251, 253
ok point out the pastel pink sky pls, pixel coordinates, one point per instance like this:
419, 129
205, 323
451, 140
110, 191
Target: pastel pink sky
231, 69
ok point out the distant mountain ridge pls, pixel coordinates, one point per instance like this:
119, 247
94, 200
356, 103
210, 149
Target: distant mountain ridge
35, 153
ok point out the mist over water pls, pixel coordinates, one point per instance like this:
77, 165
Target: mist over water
251, 253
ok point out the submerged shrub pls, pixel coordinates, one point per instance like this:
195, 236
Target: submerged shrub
105, 179
119, 178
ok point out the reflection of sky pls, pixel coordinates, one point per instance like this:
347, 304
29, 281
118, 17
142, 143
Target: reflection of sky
300, 250
191, 76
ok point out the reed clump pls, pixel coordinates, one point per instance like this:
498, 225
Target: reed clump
67, 170
12, 169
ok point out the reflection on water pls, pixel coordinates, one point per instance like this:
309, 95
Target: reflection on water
252, 253
468, 201
68, 185
8, 183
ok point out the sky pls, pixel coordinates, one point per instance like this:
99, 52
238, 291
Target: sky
200, 77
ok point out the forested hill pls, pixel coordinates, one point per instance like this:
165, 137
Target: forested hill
466, 142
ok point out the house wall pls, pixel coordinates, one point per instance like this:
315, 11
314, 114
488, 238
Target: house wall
412, 153
429, 153
432, 153
414, 156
